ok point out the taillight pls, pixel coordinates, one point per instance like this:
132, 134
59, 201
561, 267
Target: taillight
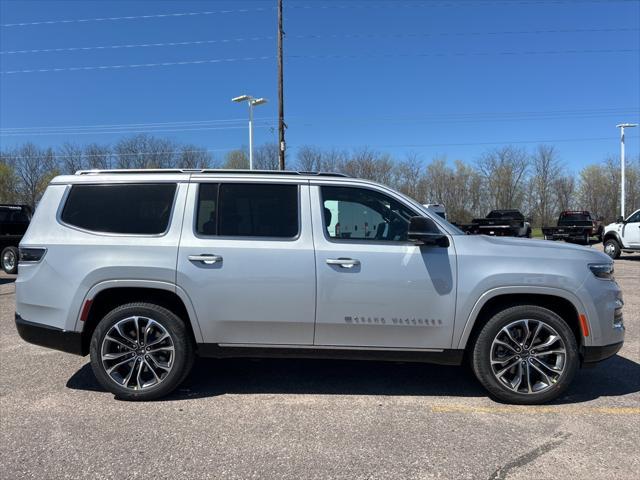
32, 254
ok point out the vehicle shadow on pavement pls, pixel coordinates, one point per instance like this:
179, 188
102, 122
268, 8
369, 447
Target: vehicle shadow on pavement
5, 280
210, 377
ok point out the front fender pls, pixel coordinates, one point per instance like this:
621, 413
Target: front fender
462, 333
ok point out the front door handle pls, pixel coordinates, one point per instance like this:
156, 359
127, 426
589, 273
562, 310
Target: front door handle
343, 262
206, 258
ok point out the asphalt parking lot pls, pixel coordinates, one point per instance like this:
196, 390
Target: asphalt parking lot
315, 419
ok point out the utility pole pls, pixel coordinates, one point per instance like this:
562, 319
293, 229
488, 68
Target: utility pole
622, 126
281, 124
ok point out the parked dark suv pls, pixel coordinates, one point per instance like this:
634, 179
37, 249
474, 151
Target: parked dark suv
14, 220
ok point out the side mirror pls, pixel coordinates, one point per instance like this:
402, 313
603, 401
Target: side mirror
620, 220
424, 231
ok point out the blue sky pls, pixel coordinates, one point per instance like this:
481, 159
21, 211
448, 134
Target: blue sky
439, 77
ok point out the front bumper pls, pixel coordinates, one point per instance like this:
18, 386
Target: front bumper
597, 354
50, 337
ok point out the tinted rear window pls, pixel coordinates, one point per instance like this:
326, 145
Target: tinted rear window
506, 214
142, 209
249, 210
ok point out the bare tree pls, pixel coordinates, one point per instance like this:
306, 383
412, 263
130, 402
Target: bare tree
34, 167
504, 171
72, 158
310, 159
265, 157
145, 151
409, 178
594, 193
8, 178
236, 159
371, 165
546, 169
564, 191
191, 156
98, 156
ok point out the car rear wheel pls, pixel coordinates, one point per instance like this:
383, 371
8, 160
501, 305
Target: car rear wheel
612, 248
9, 259
525, 355
141, 351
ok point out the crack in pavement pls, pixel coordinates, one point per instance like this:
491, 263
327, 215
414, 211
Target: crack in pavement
502, 472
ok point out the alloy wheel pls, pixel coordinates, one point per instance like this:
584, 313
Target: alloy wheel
137, 353
528, 356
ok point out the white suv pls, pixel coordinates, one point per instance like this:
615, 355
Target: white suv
622, 236
145, 270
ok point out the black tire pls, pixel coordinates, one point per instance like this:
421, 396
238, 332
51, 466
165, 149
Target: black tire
612, 248
529, 231
9, 258
481, 355
183, 354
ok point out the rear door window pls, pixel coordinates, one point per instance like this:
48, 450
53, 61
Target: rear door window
137, 209
248, 210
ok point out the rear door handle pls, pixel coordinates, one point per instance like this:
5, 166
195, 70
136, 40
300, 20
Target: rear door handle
206, 258
343, 262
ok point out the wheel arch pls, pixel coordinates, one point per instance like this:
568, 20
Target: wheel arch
106, 296
612, 235
561, 302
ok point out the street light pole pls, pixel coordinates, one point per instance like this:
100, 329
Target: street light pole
252, 102
622, 126
250, 135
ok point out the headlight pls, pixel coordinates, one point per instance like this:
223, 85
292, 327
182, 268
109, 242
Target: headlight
602, 270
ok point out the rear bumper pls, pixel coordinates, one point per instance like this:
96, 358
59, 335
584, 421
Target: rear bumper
50, 337
597, 354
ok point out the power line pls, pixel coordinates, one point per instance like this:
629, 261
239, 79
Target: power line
135, 125
134, 17
136, 45
117, 154
321, 57
461, 54
137, 65
266, 122
506, 142
318, 37
92, 132
367, 6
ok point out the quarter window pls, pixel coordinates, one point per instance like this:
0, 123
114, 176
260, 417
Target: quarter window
361, 214
142, 209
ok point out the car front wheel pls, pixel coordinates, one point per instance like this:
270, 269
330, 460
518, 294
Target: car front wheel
141, 351
525, 355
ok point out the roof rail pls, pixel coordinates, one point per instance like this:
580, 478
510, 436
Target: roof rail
209, 170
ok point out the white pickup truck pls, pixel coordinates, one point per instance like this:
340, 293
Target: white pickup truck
622, 235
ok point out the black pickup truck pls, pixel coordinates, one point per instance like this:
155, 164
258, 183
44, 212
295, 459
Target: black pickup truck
14, 220
577, 226
500, 223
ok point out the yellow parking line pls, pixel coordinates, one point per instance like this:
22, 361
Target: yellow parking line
537, 410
